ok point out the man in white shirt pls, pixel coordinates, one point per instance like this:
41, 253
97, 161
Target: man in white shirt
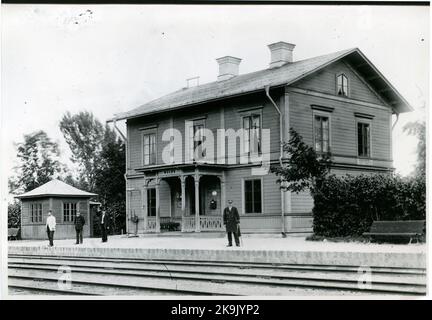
50, 224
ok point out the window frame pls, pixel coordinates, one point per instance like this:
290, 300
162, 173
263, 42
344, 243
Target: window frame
369, 123
244, 195
249, 112
342, 74
149, 201
148, 132
39, 213
71, 216
327, 114
191, 123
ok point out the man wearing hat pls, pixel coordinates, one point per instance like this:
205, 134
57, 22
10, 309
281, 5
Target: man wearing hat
231, 221
79, 225
104, 223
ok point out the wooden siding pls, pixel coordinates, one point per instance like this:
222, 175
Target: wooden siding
64, 230
228, 113
271, 202
343, 130
301, 202
324, 81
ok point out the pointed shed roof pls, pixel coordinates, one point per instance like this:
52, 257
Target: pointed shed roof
286, 74
56, 188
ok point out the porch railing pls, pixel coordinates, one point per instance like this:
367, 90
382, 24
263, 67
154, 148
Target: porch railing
207, 223
151, 224
211, 223
188, 224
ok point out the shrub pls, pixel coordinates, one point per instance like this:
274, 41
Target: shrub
170, 226
347, 205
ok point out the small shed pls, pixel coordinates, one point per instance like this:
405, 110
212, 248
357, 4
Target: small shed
64, 201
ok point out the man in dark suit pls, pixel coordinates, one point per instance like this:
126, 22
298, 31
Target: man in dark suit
79, 225
231, 221
104, 225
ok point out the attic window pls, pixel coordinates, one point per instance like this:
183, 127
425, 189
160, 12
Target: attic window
342, 85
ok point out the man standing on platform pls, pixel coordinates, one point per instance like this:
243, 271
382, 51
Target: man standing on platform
79, 225
231, 221
50, 225
104, 225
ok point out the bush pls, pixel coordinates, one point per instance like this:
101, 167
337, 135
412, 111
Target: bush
347, 206
170, 226
14, 215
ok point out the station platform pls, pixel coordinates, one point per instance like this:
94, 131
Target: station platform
294, 249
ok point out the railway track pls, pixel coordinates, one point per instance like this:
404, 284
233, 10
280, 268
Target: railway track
112, 276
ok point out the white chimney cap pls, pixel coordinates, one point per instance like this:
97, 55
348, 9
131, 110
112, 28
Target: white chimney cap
228, 67
281, 53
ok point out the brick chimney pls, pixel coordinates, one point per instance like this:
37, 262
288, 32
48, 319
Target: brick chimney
228, 67
281, 53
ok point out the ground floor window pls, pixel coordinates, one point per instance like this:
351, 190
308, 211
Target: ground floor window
252, 196
363, 139
69, 211
36, 212
151, 202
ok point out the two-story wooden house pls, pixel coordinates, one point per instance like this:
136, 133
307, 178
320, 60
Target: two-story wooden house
338, 102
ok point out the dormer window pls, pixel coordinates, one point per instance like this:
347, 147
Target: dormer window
342, 85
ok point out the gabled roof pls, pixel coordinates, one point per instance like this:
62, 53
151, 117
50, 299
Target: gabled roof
56, 188
284, 75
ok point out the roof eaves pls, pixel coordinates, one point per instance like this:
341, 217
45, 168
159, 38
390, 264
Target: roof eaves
239, 94
41, 195
342, 55
407, 105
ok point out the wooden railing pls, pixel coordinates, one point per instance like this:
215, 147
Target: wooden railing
188, 224
207, 223
151, 224
211, 223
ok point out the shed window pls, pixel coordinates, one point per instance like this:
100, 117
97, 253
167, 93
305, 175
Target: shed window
36, 212
363, 139
322, 133
253, 201
149, 154
342, 85
69, 211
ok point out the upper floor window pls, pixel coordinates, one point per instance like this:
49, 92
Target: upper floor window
252, 134
252, 196
196, 137
342, 85
363, 139
69, 212
149, 153
322, 133
36, 212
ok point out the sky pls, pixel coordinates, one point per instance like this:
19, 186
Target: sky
112, 58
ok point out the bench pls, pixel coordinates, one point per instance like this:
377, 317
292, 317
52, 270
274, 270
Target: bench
13, 233
409, 229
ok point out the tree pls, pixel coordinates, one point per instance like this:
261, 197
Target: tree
110, 184
101, 157
418, 129
303, 168
14, 215
84, 134
38, 159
